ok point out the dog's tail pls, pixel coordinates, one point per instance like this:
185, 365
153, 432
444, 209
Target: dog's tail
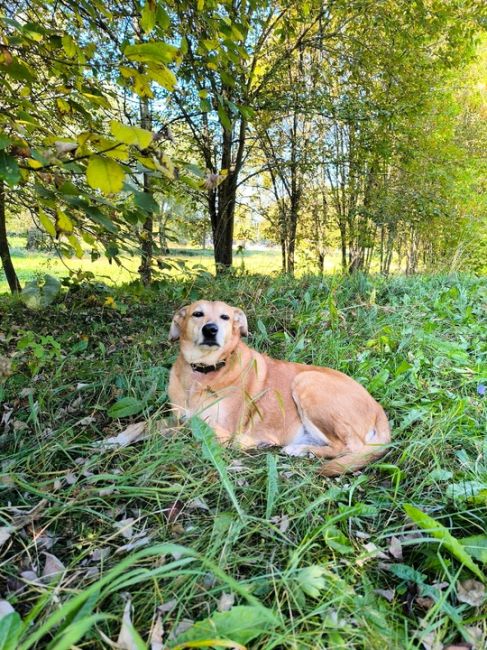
371, 450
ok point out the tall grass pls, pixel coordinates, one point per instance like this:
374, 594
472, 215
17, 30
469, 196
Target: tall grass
312, 562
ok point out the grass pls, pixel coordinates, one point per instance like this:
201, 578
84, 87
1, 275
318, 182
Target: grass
309, 562
181, 262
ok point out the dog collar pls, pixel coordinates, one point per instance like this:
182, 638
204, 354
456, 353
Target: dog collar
199, 367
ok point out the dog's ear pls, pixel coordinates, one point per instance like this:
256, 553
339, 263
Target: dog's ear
175, 329
241, 319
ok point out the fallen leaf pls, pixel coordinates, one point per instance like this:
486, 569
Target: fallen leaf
22, 518
126, 637
236, 466
395, 548
388, 594
172, 511
5, 608
156, 635
100, 554
225, 602
132, 545
282, 521
89, 419
183, 625
425, 602
44, 539
167, 607
133, 433
430, 641
125, 527
70, 478
5, 533
197, 504
471, 592
30, 576
52, 567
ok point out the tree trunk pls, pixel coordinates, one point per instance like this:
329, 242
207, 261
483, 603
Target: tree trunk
147, 234
8, 267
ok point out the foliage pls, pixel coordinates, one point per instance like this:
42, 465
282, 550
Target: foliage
338, 562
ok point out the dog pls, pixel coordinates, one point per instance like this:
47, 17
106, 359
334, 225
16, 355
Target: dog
254, 401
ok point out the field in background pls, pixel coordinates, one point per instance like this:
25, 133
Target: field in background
255, 546
28, 263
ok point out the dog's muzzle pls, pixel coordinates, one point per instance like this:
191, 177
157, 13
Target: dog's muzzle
209, 331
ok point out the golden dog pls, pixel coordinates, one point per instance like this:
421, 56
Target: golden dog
254, 400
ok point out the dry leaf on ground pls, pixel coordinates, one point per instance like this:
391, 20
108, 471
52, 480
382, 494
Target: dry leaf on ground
388, 594
225, 602
156, 635
395, 548
5, 534
471, 592
133, 433
5, 608
125, 527
52, 567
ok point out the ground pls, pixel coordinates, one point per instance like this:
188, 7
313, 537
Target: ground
257, 546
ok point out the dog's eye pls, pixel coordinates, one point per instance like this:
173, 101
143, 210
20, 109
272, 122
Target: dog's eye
225, 317
198, 314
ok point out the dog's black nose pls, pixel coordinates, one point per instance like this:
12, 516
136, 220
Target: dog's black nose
209, 330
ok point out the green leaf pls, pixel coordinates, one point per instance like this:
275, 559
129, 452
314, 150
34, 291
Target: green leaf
224, 119
11, 627
69, 46
41, 292
74, 241
474, 491
338, 541
154, 52
5, 141
476, 546
213, 452
131, 134
9, 169
46, 223
63, 222
272, 484
148, 17
439, 531
105, 174
239, 624
311, 580
125, 407
146, 201
163, 76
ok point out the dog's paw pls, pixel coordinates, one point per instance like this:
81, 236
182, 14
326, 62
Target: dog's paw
298, 450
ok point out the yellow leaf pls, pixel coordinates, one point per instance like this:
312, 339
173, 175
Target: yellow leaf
164, 77
69, 46
76, 245
131, 134
105, 174
35, 164
46, 223
63, 222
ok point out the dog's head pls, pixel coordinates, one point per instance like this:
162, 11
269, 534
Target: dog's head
208, 331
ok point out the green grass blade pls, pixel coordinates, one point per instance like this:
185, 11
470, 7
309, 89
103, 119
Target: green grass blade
213, 452
272, 484
439, 531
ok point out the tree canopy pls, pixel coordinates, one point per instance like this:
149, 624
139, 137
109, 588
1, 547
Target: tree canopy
359, 125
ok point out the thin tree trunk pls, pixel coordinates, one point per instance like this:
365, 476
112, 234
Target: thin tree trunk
8, 267
147, 234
